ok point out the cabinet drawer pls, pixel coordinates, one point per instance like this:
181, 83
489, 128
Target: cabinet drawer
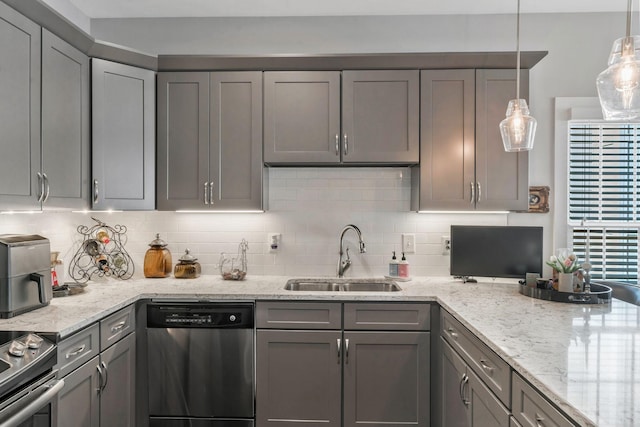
491, 369
298, 315
78, 348
513, 422
531, 409
116, 326
387, 316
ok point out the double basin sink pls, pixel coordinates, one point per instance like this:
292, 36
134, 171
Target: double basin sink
342, 285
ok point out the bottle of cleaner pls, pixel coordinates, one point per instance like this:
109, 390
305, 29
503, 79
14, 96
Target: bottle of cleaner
393, 266
403, 267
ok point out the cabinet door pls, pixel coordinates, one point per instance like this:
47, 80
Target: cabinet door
298, 378
447, 144
502, 178
453, 405
123, 158
20, 187
235, 153
386, 378
78, 402
380, 116
117, 399
485, 408
183, 140
65, 124
302, 117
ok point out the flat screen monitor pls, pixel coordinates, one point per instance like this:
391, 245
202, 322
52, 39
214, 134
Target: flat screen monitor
495, 251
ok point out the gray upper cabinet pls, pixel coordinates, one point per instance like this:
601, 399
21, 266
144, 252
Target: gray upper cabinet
20, 185
210, 141
65, 125
302, 117
372, 119
463, 165
380, 116
123, 155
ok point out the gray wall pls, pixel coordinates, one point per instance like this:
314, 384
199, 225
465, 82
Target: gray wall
578, 46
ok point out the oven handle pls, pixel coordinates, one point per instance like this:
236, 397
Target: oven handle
34, 404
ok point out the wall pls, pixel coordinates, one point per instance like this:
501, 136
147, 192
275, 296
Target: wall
311, 205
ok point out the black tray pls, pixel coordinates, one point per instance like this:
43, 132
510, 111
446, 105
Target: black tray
600, 294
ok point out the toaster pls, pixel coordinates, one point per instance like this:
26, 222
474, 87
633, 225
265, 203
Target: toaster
25, 273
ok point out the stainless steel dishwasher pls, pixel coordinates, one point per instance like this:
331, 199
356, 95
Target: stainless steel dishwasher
201, 364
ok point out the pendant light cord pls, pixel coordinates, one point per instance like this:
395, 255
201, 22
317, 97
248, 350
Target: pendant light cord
518, 52
629, 7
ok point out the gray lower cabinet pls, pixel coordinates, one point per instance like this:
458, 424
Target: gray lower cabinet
20, 46
465, 400
210, 141
66, 145
98, 367
463, 165
341, 376
531, 409
373, 118
123, 136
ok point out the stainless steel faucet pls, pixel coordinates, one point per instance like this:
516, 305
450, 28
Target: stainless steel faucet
344, 265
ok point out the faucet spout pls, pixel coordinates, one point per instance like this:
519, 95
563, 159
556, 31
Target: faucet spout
343, 265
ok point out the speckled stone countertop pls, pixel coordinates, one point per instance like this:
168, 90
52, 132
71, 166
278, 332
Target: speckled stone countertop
586, 359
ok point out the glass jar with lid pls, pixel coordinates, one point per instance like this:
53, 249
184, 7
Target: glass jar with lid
187, 267
157, 260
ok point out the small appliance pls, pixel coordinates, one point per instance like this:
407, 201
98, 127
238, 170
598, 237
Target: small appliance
25, 273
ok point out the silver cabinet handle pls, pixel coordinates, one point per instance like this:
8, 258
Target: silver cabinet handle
346, 350
452, 332
40, 186
211, 187
206, 193
486, 367
95, 191
473, 192
465, 381
45, 179
337, 144
106, 375
346, 144
100, 379
339, 343
75, 352
539, 421
117, 327
479, 191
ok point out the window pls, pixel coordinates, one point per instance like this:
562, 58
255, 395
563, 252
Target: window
603, 200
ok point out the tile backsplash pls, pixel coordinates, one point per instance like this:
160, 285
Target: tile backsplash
307, 206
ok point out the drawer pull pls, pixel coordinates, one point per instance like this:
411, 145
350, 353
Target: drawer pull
75, 352
453, 333
118, 327
486, 367
339, 343
346, 350
539, 421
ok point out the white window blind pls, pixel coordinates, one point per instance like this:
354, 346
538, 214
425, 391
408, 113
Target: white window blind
603, 201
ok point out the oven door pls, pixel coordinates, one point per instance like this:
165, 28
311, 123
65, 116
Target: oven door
31, 405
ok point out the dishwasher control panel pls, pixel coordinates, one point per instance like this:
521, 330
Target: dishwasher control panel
210, 315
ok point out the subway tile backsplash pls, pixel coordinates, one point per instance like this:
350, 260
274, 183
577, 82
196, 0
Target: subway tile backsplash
309, 206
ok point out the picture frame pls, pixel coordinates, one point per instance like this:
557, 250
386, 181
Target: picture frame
538, 199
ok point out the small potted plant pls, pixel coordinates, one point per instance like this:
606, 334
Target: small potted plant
564, 264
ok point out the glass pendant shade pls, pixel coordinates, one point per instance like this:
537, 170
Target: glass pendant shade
518, 129
619, 85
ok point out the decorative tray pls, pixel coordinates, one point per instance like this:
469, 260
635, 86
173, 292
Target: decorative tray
600, 294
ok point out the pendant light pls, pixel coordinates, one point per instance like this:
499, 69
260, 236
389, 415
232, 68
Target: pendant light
518, 129
619, 85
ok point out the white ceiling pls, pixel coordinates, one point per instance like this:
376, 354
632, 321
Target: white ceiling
208, 8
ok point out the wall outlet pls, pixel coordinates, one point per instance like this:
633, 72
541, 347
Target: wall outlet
409, 243
273, 242
445, 244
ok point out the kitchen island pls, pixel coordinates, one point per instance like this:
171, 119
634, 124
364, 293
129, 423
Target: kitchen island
584, 358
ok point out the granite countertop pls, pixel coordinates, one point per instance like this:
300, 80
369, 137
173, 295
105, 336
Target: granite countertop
585, 358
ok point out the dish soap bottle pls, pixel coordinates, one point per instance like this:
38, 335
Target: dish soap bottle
157, 260
393, 266
403, 267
